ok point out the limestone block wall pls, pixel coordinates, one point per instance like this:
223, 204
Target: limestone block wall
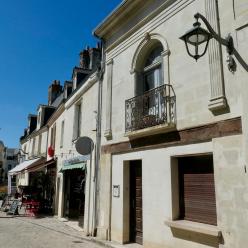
195, 90
158, 205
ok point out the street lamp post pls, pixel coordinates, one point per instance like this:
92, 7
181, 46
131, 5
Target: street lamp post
198, 36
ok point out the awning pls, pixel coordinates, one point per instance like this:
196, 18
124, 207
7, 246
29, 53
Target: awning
37, 166
78, 162
81, 166
25, 165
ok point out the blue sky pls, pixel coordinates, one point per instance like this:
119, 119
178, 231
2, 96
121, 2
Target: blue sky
40, 41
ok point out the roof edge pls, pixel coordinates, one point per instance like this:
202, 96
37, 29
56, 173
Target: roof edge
120, 11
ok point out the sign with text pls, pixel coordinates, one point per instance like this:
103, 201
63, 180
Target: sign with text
76, 160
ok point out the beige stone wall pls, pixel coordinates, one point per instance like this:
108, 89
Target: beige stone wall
231, 190
192, 84
193, 90
158, 205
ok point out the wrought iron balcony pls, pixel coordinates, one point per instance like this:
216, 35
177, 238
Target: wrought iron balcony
154, 107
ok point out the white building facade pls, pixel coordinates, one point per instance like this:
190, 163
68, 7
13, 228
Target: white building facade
174, 143
75, 118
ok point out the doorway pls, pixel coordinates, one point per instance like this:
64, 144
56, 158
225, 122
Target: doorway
136, 215
74, 194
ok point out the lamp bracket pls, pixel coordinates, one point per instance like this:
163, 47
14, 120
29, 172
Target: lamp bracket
210, 29
228, 42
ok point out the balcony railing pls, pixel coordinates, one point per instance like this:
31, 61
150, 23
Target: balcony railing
154, 107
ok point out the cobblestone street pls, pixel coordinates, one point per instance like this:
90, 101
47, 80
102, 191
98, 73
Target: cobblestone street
49, 232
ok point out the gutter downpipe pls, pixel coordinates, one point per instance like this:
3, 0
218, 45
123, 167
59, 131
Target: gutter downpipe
89, 196
100, 73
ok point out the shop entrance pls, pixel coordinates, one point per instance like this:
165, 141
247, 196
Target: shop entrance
136, 216
75, 194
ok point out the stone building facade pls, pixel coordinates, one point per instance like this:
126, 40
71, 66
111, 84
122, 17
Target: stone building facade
174, 144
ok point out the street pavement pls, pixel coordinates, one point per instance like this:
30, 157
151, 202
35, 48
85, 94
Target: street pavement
47, 232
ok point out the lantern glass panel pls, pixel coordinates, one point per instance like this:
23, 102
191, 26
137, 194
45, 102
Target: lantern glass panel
196, 38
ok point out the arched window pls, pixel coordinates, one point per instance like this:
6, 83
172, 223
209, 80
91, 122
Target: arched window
152, 71
148, 66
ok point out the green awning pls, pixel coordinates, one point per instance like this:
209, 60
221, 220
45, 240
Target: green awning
81, 166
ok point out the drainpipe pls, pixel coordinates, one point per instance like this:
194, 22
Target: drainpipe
100, 73
89, 196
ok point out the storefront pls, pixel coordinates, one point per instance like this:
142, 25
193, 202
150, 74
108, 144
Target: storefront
35, 180
42, 180
74, 171
20, 173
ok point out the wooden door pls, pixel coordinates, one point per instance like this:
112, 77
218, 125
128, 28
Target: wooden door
136, 223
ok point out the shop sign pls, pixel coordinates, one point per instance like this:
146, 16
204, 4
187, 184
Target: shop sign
76, 160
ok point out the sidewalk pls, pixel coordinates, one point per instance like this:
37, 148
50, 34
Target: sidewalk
65, 227
110, 244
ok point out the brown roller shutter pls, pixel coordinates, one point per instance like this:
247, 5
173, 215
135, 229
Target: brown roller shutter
197, 191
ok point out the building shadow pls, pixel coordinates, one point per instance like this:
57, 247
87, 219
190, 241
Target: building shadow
200, 238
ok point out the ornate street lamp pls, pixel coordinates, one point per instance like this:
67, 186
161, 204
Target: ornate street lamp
198, 36
195, 37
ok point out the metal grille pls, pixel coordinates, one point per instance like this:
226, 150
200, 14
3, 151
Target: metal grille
154, 107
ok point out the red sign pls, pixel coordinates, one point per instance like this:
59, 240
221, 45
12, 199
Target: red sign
50, 151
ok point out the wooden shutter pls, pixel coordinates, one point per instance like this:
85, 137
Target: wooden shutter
199, 198
197, 191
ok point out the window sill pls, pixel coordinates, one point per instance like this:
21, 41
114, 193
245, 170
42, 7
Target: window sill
194, 227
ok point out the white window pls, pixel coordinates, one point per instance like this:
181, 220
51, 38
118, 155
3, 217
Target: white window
62, 134
33, 147
152, 71
53, 136
77, 121
39, 144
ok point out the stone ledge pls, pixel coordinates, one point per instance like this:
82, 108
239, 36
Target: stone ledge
163, 128
194, 227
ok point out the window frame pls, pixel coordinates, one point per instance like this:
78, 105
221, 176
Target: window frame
177, 211
62, 134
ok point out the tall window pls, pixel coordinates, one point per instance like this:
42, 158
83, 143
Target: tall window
53, 136
77, 121
62, 134
33, 146
39, 144
152, 71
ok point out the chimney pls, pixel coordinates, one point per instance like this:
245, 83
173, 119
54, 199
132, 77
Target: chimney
54, 90
95, 57
84, 59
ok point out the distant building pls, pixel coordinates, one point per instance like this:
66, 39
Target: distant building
8, 160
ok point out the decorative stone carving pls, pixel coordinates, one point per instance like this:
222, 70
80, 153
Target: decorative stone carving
108, 126
218, 99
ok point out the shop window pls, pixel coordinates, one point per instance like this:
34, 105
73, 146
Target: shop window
197, 189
